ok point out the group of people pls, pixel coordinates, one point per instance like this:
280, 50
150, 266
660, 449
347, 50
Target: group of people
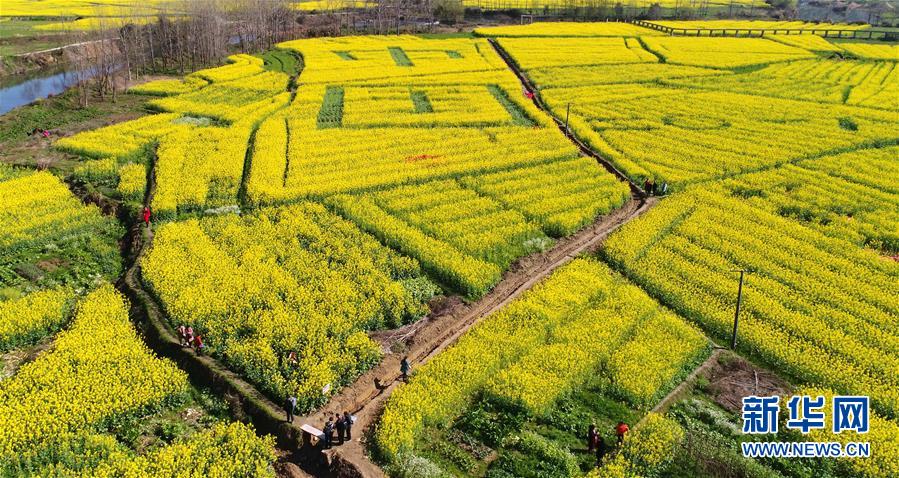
596, 444
653, 189
190, 339
343, 425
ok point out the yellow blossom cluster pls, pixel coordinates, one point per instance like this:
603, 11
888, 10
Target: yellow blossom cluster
170, 87
124, 140
723, 52
550, 52
806, 42
73, 8
29, 318
562, 197
872, 51
653, 131
132, 181
42, 223
848, 195
760, 24
695, 113
874, 84
567, 29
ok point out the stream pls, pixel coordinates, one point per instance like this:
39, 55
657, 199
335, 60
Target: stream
21, 90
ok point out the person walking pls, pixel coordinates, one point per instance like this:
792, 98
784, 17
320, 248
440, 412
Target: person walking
621, 429
592, 438
405, 368
182, 334
348, 423
198, 344
329, 433
146, 216
289, 406
340, 424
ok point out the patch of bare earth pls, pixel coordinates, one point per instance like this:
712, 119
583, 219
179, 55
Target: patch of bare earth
731, 378
13, 360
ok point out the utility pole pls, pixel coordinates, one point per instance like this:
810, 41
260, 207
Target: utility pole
733, 342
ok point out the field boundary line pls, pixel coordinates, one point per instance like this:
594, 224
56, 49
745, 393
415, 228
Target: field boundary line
586, 150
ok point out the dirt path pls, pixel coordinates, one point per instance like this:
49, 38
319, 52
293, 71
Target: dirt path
686, 385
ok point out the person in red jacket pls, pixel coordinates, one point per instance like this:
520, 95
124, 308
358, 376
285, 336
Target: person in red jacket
198, 343
147, 216
621, 429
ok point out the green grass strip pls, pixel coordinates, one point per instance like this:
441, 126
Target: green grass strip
345, 55
331, 113
453, 54
519, 116
282, 61
421, 102
399, 56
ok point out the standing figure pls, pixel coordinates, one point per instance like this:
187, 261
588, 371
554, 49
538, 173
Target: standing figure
289, 406
340, 425
405, 368
621, 429
329, 433
348, 421
182, 334
147, 216
592, 438
198, 344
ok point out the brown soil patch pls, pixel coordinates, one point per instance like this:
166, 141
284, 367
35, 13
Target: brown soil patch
12, 361
50, 265
731, 378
